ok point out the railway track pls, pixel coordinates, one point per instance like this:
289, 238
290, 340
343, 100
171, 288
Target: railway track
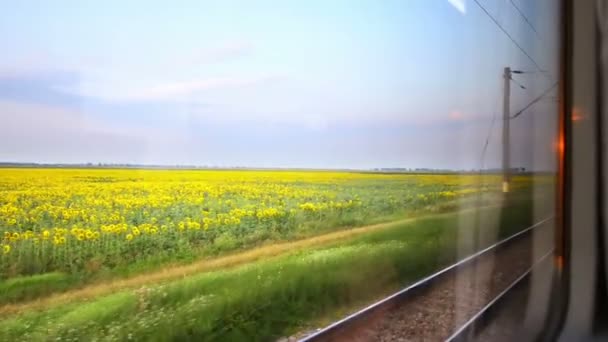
446, 304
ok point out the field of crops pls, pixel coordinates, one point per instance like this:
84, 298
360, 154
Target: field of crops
90, 220
125, 254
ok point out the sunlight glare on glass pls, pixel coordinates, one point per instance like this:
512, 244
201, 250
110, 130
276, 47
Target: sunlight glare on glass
459, 5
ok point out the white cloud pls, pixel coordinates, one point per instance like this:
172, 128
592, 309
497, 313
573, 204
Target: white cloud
179, 90
165, 78
116, 91
32, 132
29, 119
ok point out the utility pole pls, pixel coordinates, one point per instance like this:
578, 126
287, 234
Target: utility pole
506, 121
506, 118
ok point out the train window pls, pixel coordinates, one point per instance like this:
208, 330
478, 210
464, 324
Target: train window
280, 171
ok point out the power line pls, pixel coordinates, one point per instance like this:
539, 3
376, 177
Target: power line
525, 17
534, 101
519, 84
485, 146
529, 71
508, 35
489, 135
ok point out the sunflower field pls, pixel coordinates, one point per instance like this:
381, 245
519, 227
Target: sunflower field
89, 220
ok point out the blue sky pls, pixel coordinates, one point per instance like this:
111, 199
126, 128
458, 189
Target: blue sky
336, 84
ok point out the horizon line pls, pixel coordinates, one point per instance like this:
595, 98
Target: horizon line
240, 167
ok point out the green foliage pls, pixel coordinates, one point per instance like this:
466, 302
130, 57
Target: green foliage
30, 287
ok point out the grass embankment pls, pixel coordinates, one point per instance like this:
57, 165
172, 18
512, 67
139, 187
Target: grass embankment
270, 298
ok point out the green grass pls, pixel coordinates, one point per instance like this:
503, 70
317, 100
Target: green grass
264, 300
30, 287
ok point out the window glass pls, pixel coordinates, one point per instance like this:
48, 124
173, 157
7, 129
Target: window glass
257, 170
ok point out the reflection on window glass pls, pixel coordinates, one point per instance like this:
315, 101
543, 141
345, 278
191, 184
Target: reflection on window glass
256, 170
